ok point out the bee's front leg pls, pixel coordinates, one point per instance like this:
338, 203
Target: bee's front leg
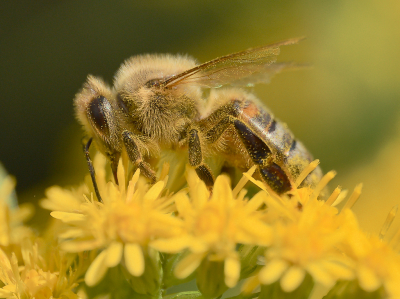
91, 168
136, 157
196, 158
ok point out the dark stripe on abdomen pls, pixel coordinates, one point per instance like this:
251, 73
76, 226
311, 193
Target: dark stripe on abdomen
293, 146
272, 127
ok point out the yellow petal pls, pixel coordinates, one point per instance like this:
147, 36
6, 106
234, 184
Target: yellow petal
68, 217
255, 202
292, 278
114, 254
338, 270
182, 203
97, 270
154, 191
255, 182
172, 245
222, 191
71, 234
243, 181
256, 231
187, 265
77, 246
320, 274
250, 284
121, 177
23, 213
60, 199
5, 294
367, 278
272, 271
134, 259
200, 195
232, 271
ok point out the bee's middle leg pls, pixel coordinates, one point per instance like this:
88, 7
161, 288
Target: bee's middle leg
136, 157
196, 158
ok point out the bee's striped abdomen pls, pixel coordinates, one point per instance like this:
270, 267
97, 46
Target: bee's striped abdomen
287, 156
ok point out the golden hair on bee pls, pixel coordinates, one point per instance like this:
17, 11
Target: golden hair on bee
158, 112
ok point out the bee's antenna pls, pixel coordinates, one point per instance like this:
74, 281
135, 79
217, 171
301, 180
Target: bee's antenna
91, 168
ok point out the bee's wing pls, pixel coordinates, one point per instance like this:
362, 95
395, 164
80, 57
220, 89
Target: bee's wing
251, 66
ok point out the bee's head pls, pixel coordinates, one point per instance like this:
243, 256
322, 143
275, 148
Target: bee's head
95, 110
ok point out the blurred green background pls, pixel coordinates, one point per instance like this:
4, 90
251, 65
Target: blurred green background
344, 109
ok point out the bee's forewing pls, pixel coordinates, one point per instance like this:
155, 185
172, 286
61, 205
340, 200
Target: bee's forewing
251, 66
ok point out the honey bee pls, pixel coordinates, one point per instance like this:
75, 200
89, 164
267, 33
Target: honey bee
157, 103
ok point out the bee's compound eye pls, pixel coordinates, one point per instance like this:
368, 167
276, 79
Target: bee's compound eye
98, 110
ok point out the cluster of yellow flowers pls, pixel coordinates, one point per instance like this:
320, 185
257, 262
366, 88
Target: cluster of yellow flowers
143, 240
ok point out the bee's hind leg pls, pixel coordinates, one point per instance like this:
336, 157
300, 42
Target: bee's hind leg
136, 157
257, 149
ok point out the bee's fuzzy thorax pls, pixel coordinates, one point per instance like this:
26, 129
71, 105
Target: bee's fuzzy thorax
158, 113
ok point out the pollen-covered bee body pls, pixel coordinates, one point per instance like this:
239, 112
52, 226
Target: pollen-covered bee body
157, 103
256, 137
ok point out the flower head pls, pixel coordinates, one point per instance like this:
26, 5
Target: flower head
376, 263
283, 244
35, 279
214, 226
12, 216
121, 227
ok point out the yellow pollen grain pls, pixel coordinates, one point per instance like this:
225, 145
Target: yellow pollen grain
353, 197
332, 198
388, 222
306, 172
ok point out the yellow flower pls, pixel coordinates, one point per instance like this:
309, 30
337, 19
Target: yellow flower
307, 246
12, 230
121, 227
306, 234
377, 264
215, 224
33, 279
288, 243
